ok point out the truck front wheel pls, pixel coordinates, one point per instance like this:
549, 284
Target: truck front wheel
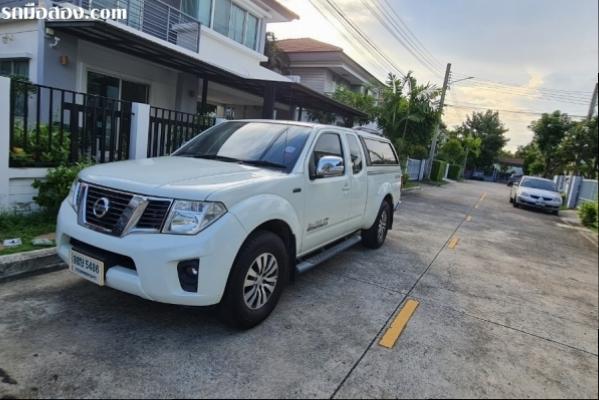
259, 274
374, 237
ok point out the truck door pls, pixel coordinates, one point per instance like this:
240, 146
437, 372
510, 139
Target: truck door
326, 197
358, 191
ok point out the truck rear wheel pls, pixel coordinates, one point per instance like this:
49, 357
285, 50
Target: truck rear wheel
256, 281
375, 236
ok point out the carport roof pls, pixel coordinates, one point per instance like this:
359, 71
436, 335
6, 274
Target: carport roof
122, 38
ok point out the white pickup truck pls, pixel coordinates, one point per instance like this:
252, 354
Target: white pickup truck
232, 215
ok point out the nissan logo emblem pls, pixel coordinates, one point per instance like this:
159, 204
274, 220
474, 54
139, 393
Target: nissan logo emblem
101, 207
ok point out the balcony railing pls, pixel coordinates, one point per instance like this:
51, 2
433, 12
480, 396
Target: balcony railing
153, 17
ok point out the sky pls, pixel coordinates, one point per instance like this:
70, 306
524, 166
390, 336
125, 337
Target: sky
545, 50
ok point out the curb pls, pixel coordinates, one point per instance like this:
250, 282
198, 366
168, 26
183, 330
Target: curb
14, 266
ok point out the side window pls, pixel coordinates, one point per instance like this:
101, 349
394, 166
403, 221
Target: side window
15, 67
328, 144
356, 154
380, 153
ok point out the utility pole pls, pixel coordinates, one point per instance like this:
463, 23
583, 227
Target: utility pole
431, 156
593, 102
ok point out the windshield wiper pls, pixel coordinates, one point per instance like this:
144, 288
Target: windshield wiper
264, 163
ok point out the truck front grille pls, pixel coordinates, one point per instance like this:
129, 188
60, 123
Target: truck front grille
121, 210
118, 201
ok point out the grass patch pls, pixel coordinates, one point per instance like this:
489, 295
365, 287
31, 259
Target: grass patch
411, 184
26, 227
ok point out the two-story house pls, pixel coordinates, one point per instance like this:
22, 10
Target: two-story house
185, 55
323, 67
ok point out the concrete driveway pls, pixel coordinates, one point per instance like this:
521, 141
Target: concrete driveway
508, 308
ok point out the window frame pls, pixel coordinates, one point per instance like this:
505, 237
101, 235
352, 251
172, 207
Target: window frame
311, 164
246, 14
360, 148
12, 61
367, 153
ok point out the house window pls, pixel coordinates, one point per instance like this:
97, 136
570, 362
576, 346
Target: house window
251, 31
236, 23
222, 13
15, 67
199, 9
115, 88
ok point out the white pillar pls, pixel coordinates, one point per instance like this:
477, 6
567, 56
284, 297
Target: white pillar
573, 191
140, 126
4, 141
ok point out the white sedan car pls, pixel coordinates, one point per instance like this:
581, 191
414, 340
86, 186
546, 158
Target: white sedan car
537, 193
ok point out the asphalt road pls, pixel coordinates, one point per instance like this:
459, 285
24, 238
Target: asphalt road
508, 308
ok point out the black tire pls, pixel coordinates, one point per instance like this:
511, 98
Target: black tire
234, 307
372, 237
515, 203
511, 199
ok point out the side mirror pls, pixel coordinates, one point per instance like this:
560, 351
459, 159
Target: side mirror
329, 166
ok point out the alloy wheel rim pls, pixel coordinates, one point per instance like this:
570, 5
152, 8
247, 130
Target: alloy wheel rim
260, 281
382, 226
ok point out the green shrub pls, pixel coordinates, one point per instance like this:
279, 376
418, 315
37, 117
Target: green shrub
438, 170
55, 187
588, 213
455, 172
25, 152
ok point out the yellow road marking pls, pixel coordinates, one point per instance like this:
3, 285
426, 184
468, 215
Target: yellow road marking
469, 218
453, 242
482, 197
399, 323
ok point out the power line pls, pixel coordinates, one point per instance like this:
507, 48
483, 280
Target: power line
528, 94
506, 111
396, 17
335, 23
396, 31
528, 90
540, 89
361, 34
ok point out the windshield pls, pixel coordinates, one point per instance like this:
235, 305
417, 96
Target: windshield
538, 184
270, 145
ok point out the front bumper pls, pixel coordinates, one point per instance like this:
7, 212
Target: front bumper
154, 276
534, 203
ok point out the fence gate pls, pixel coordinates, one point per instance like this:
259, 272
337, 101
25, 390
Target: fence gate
169, 129
51, 126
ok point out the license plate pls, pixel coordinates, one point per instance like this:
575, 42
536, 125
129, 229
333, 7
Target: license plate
87, 267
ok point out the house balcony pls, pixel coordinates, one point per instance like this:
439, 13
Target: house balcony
153, 17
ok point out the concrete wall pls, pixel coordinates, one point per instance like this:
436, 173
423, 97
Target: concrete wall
21, 40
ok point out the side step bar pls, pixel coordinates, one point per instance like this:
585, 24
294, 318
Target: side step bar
324, 255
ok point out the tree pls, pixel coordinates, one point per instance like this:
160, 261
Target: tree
407, 114
549, 131
487, 127
578, 149
534, 163
360, 101
452, 151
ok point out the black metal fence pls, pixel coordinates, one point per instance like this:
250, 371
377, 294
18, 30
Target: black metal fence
169, 129
51, 126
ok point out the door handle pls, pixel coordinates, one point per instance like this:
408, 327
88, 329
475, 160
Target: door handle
346, 188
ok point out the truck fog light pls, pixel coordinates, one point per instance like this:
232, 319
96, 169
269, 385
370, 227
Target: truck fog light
188, 272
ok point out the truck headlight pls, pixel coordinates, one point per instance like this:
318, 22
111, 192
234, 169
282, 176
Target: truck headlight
73, 197
190, 217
